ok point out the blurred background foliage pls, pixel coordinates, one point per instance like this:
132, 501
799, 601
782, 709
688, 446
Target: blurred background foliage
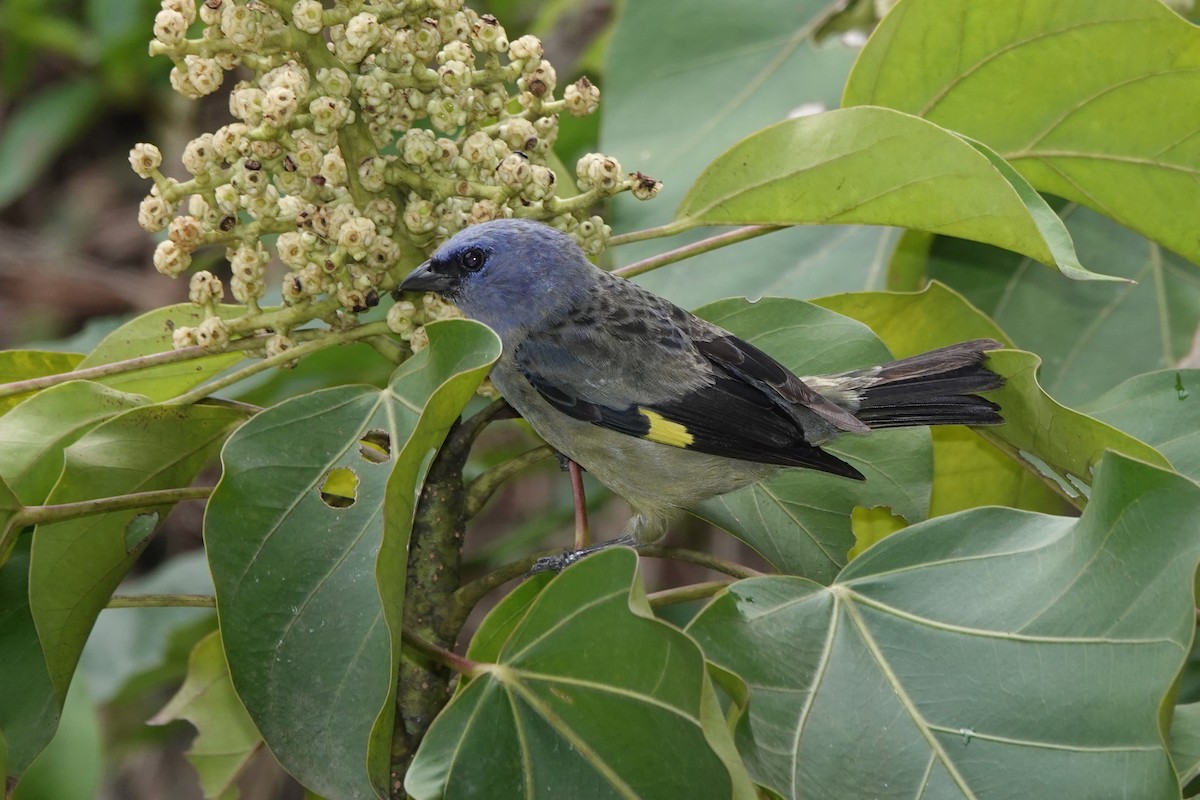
681, 82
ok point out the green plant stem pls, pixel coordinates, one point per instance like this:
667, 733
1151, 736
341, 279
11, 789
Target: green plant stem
389, 348
39, 515
433, 576
162, 601
684, 594
695, 248
708, 560
139, 363
102, 370
447, 658
469, 595
670, 229
485, 485
329, 340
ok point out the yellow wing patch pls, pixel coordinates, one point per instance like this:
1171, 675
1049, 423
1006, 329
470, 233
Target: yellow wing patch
665, 431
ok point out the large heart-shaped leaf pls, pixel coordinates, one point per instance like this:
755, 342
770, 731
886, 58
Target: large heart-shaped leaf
294, 531
76, 564
1160, 408
562, 713
1092, 100
993, 650
876, 166
670, 108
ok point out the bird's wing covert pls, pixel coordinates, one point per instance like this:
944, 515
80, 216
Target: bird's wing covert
717, 411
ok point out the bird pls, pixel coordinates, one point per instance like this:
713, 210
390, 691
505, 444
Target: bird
662, 407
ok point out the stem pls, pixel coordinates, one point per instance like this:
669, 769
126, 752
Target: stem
329, 340
670, 229
162, 601
684, 594
730, 568
468, 596
103, 370
389, 348
447, 658
142, 362
695, 248
39, 515
485, 485
434, 573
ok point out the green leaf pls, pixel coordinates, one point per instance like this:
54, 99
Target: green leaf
990, 648
540, 720
37, 132
1185, 742
34, 434
20, 365
226, 738
296, 580
76, 564
72, 765
29, 708
800, 519
151, 333
9, 507
1105, 88
1064, 444
1160, 408
488, 642
1091, 335
876, 166
671, 107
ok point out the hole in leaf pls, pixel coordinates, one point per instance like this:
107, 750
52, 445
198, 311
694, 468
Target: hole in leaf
340, 488
1067, 482
375, 447
139, 528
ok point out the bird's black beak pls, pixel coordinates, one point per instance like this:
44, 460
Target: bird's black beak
424, 279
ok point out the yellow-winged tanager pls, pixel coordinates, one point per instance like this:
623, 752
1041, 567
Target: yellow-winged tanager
662, 407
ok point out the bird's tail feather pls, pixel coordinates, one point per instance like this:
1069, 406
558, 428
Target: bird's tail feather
934, 388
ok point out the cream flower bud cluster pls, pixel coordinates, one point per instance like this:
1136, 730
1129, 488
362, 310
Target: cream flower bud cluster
361, 136
407, 319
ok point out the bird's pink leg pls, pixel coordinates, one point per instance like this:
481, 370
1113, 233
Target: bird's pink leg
583, 535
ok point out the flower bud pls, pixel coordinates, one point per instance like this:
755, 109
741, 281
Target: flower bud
145, 159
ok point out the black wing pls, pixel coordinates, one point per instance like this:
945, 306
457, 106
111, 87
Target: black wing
725, 409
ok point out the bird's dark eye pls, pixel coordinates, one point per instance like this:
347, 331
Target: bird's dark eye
473, 259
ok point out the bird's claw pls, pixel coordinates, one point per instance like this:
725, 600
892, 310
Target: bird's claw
557, 562
560, 561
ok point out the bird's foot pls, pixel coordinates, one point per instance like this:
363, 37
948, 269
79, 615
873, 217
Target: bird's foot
560, 561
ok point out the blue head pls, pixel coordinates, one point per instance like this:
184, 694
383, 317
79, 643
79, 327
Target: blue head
510, 274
